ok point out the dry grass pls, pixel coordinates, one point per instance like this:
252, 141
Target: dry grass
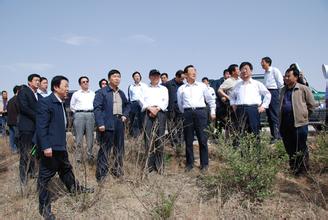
134, 197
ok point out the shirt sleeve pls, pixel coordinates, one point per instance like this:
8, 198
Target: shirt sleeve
73, 102
265, 93
210, 99
143, 100
180, 99
278, 77
226, 85
233, 96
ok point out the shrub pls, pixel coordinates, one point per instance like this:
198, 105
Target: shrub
320, 152
249, 168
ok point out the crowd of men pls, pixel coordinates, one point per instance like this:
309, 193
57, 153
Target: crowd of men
183, 106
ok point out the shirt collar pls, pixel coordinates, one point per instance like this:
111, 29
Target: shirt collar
59, 99
150, 85
193, 84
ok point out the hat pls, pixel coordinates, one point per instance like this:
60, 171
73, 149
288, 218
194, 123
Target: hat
154, 72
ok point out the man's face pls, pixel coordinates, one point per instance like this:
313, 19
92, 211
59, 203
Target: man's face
44, 85
246, 72
191, 74
103, 84
264, 65
4, 95
205, 81
114, 80
181, 79
164, 78
34, 83
136, 78
62, 90
236, 72
154, 79
84, 83
226, 75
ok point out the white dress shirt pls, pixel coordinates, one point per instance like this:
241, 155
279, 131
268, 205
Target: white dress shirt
136, 91
250, 93
273, 78
82, 100
42, 93
194, 96
155, 96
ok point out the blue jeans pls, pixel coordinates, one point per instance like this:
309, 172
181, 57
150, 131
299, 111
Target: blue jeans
3, 121
13, 138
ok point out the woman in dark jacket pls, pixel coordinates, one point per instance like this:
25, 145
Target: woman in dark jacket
296, 103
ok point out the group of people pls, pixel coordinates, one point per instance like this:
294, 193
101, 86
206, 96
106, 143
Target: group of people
182, 105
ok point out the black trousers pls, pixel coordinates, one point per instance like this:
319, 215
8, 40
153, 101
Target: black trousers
26, 161
294, 140
175, 129
248, 119
196, 121
49, 166
136, 119
108, 140
273, 114
154, 140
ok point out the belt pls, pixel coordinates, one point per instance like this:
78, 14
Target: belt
193, 109
248, 105
119, 116
273, 89
84, 111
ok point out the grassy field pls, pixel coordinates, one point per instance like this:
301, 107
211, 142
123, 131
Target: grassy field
173, 195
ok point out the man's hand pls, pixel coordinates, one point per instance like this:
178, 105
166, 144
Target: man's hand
153, 110
234, 108
101, 128
123, 118
48, 152
261, 109
213, 117
223, 99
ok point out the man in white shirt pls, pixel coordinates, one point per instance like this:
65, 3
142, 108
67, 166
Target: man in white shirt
246, 100
212, 92
192, 98
224, 91
273, 81
154, 104
135, 93
84, 121
43, 87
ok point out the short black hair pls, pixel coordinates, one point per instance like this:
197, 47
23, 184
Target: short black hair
205, 78
3, 91
232, 68
82, 77
224, 71
112, 72
187, 67
16, 89
55, 82
100, 82
246, 64
165, 74
30, 77
43, 78
179, 73
154, 72
267, 60
136, 72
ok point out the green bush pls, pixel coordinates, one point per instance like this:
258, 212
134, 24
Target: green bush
249, 168
320, 152
164, 206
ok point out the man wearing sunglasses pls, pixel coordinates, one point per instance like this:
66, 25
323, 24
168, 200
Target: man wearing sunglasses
84, 121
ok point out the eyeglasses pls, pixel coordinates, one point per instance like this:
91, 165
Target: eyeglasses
85, 81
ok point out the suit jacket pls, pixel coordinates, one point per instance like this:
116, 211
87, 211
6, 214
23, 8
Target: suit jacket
13, 111
103, 107
172, 87
27, 109
50, 124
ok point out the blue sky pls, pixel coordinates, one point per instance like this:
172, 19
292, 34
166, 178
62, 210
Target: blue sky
75, 38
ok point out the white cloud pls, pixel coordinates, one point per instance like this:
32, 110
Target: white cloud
140, 38
76, 40
26, 66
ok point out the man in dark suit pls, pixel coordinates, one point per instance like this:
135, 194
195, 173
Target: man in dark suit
51, 125
111, 109
27, 101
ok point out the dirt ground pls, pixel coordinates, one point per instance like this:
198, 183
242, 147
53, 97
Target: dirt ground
151, 196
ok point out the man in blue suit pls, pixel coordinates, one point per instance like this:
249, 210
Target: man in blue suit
51, 122
111, 109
